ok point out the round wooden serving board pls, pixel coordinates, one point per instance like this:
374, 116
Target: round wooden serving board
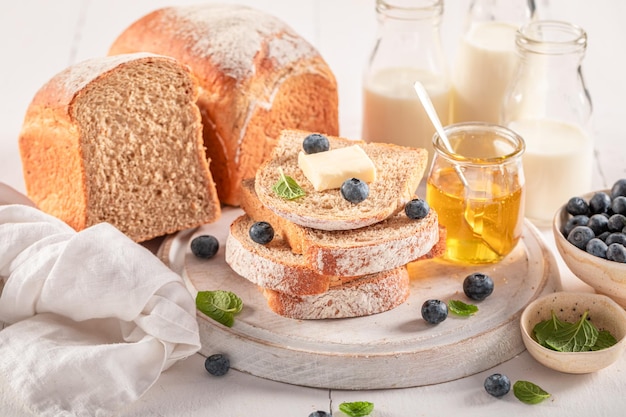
389, 350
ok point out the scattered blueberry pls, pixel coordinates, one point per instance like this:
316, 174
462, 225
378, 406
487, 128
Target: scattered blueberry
315, 143
596, 247
478, 286
497, 385
579, 236
616, 237
261, 232
619, 188
617, 222
599, 223
599, 203
434, 311
217, 364
616, 253
618, 205
205, 246
576, 206
319, 413
578, 220
354, 190
416, 209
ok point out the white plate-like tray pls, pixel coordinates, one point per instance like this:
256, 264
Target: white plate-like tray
388, 350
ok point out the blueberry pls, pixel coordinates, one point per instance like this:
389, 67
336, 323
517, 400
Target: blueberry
599, 203
596, 247
205, 246
434, 311
315, 143
619, 188
354, 190
319, 413
497, 385
618, 205
261, 232
478, 286
602, 236
599, 223
217, 364
579, 236
616, 237
416, 209
616, 253
576, 206
578, 220
617, 222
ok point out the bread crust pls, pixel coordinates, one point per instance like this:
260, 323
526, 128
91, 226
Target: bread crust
245, 100
54, 157
370, 294
399, 171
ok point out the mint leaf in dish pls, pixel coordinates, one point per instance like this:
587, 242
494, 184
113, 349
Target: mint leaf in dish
605, 340
357, 409
461, 309
221, 306
529, 393
287, 188
545, 329
580, 336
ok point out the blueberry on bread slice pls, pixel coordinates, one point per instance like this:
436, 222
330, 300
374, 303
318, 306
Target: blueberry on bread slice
398, 173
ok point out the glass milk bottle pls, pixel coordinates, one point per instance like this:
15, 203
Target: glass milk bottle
407, 49
486, 60
549, 106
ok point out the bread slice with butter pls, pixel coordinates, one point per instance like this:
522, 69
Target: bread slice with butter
385, 245
398, 173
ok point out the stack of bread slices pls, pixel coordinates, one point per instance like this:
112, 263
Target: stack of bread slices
329, 257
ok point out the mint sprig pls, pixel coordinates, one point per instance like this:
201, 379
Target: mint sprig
460, 308
287, 188
221, 306
529, 393
579, 336
357, 408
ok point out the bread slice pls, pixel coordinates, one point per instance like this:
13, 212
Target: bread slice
385, 245
399, 171
367, 295
119, 140
257, 76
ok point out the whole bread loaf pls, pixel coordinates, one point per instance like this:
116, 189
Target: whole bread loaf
399, 172
118, 140
257, 76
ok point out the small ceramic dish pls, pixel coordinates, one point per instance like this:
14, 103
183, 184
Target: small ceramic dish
604, 313
606, 277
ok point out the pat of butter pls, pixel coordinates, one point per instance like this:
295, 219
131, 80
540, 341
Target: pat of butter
329, 169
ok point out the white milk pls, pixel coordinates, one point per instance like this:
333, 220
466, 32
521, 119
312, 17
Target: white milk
484, 67
557, 163
392, 111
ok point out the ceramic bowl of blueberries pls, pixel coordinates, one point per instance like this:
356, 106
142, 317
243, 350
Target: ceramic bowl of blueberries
557, 330
590, 234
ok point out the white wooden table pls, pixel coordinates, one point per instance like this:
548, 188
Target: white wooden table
39, 38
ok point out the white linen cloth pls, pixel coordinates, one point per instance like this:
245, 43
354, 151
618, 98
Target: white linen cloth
91, 318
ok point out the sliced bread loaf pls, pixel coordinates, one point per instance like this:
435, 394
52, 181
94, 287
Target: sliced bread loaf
399, 171
370, 294
385, 245
119, 140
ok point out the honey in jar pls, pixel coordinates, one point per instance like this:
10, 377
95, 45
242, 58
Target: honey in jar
483, 217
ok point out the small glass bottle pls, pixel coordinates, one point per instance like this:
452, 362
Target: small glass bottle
549, 105
407, 49
486, 59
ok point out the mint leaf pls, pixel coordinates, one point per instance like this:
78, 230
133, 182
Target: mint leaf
545, 329
357, 409
287, 187
605, 340
529, 393
574, 337
461, 309
219, 305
